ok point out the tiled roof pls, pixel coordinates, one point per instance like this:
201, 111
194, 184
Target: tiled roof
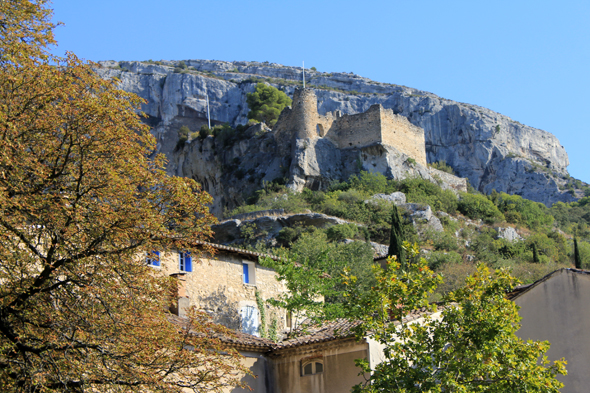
313, 334
341, 328
234, 338
239, 251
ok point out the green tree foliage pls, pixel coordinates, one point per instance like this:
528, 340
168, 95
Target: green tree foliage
477, 206
396, 237
518, 210
442, 166
577, 259
535, 254
333, 257
204, 131
473, 347
266, 103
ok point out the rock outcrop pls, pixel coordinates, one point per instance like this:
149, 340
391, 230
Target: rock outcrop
490, 149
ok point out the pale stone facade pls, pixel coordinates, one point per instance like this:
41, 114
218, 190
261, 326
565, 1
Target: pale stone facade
376, 125
216, 284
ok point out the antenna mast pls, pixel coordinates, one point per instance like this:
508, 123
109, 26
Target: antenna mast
303, 68
208, 116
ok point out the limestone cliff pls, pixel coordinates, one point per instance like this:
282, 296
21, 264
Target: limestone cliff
490, 149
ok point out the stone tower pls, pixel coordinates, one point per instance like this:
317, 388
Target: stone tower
304, 114
300, 121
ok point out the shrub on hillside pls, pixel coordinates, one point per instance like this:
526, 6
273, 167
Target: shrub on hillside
477, 206
341, 232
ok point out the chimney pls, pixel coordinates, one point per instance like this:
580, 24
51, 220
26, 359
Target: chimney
180, 301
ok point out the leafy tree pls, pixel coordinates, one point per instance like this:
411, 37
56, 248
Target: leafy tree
472, 347
266, 103
577, 259
535, 254
396, 237
80, 205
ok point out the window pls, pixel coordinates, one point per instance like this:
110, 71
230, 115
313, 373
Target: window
153, 258
249, 273
249, 316
312, 366
185, 262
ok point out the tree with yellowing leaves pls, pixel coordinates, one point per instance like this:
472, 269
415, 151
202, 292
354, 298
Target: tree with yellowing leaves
81, 203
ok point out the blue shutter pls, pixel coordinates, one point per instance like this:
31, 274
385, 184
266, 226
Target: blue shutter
156, 256
188, 262
246, 273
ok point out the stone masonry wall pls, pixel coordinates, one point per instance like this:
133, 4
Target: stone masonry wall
376, 125
357, 130
397, 131
216, 286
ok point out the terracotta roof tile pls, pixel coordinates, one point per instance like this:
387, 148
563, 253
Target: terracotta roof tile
341, 328
240, 251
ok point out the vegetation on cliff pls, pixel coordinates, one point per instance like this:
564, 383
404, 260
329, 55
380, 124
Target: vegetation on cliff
470, 222
266, 103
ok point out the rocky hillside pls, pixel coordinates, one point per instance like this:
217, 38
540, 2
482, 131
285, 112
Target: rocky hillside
490, 149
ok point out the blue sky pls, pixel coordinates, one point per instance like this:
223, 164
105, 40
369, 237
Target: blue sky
526, 59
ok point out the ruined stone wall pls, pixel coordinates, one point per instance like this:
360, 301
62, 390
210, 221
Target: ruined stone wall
216, 286
376, 125
398, 132
357, 130
302, 120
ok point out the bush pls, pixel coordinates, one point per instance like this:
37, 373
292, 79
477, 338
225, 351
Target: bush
183, 135
205, 131
418, 190
442, 166
477, 206
518, 210
437, 259
224, 135
341, 232
371, 183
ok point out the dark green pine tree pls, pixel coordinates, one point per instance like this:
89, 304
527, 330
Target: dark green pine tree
396, 237
535, 254
577, 259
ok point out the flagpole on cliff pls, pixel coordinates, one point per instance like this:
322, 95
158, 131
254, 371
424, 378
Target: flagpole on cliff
208, 115
303, 68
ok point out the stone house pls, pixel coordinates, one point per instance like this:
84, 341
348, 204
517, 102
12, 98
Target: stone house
225, 285
554, 308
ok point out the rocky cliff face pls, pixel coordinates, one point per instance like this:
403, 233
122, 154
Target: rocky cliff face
490, 149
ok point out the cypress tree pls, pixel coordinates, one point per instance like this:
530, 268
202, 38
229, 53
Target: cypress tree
577, 259
396, 237
535, 254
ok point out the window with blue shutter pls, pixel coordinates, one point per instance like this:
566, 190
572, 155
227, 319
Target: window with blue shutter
246, 273
153, 258
249, 273
185, 262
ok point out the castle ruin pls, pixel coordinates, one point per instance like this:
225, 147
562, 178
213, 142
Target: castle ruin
376, 125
